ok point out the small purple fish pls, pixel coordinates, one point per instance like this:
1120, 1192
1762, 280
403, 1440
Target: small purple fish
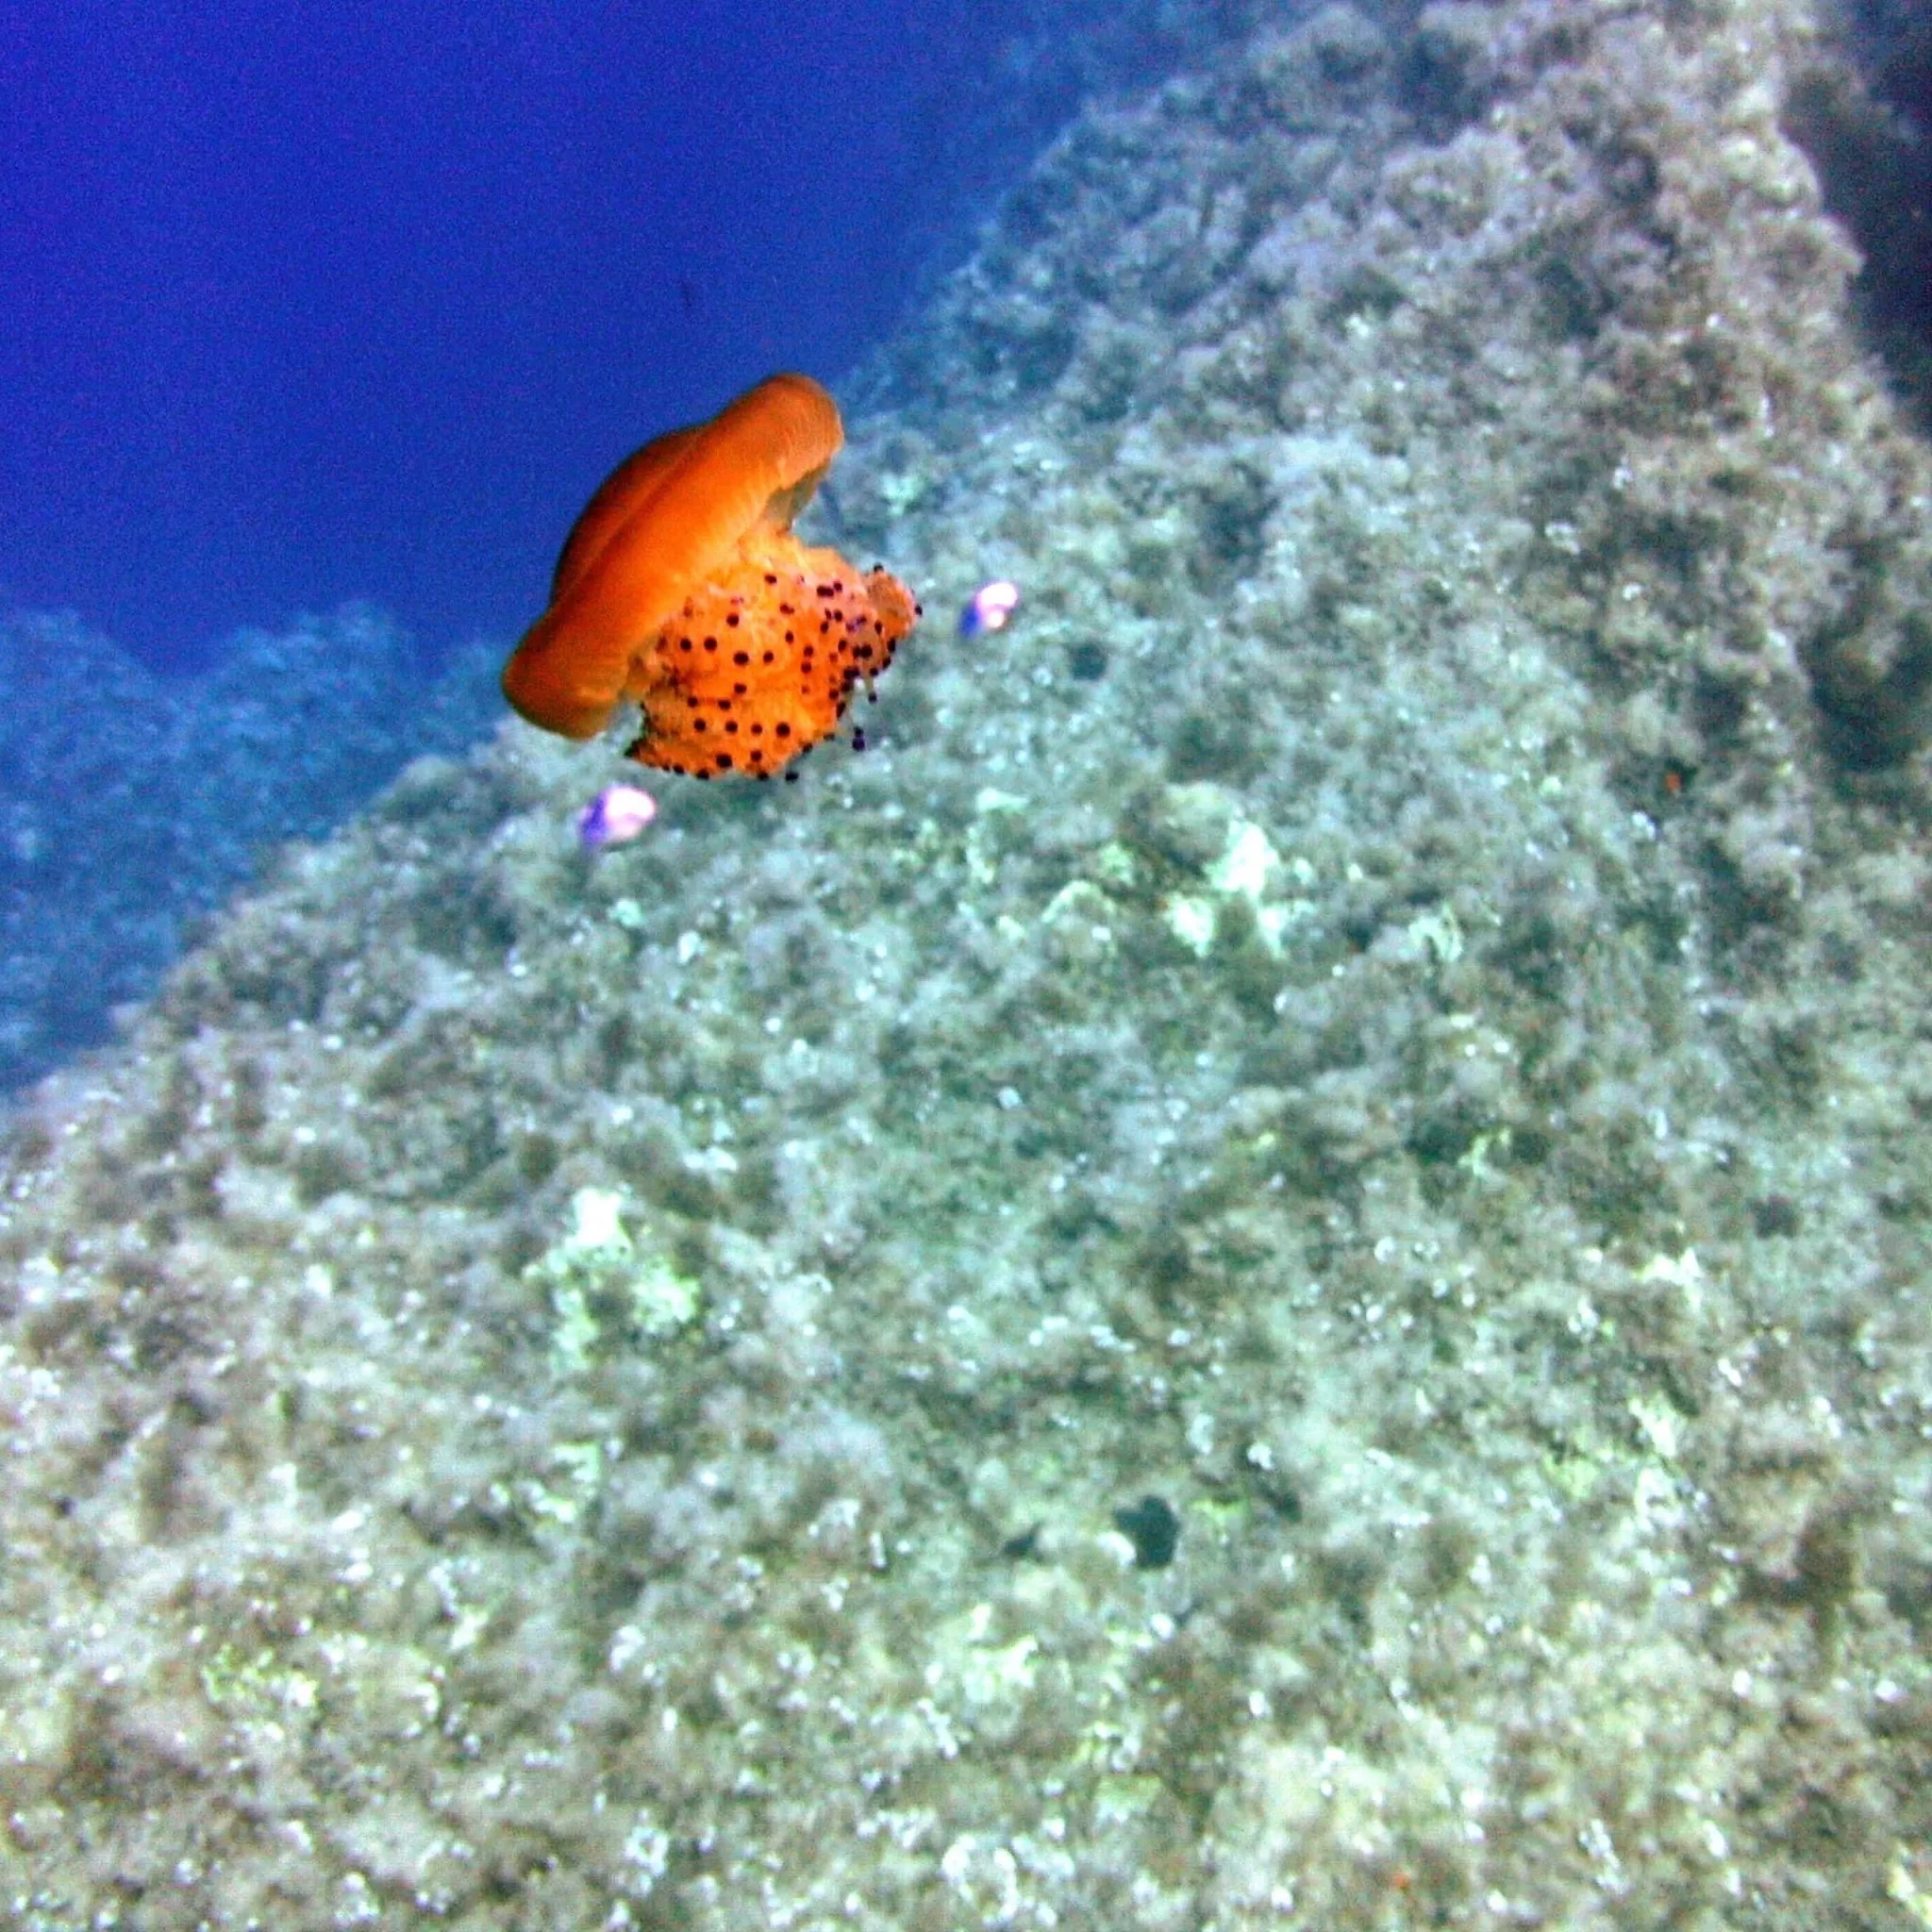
615, 816
989, 609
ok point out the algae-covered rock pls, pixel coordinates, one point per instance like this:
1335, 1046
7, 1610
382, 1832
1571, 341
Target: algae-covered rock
1267, 1271
595, 1267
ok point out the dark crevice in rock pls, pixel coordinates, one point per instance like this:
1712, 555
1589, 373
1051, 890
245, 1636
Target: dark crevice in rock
1865, 122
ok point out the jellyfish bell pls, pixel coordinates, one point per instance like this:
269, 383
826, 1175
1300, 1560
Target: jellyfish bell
682, 588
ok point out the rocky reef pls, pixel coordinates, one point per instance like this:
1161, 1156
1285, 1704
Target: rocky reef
1267, 1271
132, 805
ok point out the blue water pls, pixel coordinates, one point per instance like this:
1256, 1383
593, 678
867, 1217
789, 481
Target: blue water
302, 302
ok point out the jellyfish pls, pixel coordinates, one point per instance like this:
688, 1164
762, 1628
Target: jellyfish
682, 588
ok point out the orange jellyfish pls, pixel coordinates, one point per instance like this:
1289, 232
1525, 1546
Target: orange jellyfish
682, 587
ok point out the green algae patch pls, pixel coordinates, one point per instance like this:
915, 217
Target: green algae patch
563, 1502
1198, 830
256, 1687
597, 1273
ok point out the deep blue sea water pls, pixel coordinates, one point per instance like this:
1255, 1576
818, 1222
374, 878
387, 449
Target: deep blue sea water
307, 301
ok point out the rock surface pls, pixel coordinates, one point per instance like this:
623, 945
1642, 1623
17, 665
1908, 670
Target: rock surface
1375, 1036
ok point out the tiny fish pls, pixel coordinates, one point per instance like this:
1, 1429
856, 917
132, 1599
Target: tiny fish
988, 608
617, 814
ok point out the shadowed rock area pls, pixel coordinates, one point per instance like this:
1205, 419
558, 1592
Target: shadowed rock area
132, 805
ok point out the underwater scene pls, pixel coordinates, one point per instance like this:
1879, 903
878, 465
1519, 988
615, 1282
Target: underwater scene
1261, 1259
